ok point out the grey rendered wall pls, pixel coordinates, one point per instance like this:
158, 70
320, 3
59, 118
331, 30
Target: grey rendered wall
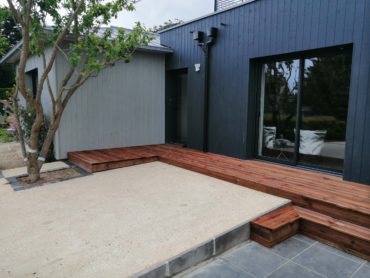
122, 106
264, 28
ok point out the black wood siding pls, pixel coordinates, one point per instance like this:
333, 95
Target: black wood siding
264, 28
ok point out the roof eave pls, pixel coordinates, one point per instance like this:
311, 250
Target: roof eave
207, 15
10, 55
13, 55
148, 48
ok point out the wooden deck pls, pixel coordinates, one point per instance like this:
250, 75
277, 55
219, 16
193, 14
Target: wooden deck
327, 195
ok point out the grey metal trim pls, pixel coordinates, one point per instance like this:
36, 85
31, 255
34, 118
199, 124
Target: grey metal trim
207, 15
159, 49
155, 49
11, 52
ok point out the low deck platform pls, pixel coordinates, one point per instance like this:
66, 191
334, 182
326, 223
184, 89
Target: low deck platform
322, 193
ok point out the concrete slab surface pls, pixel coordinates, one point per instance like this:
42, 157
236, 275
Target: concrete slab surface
52, 166
119, 222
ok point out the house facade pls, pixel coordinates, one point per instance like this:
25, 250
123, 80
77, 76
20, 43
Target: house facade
119, 107
284, 81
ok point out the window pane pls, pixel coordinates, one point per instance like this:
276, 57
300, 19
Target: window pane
279, 92
324, 110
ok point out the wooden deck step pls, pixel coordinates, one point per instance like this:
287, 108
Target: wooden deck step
275, 226
108, 159
340, 234
278, 225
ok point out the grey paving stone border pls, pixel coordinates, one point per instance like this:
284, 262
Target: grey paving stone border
198, 254
16, 186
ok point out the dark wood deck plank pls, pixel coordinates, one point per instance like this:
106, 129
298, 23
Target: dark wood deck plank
317, 191
329, 209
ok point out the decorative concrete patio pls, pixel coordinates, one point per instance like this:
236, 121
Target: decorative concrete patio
119, 222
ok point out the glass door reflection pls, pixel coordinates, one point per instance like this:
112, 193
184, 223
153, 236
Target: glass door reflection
279, 93
303, 110
324, 110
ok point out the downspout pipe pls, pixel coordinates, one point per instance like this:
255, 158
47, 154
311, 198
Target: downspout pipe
206, 45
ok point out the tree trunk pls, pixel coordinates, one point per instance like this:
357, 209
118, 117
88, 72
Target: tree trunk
33, 169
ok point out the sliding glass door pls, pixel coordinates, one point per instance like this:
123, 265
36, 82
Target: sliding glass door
303, 110
278, 109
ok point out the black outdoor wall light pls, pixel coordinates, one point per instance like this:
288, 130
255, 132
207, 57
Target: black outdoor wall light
211, 36
205, 42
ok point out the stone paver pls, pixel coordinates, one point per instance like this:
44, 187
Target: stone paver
219, 269
255, 259
290, 248
298, 256
327, 263
292, 270
363, 272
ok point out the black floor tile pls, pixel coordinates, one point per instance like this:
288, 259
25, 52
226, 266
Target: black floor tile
326, 262
218, 269
304, 238
292, 270
363, 272
290, 247
340, 253
255, 259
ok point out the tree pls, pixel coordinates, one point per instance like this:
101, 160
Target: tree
168, 24
3, 44
8, 28
77, 34
9, 37
3, 40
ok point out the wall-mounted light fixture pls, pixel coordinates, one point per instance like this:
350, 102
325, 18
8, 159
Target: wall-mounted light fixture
198, 36
203, 42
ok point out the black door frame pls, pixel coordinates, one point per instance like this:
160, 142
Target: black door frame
301, 56
170, 131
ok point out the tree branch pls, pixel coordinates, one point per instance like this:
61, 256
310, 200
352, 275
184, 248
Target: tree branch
54, 52
19, 125
17, 18
50, 90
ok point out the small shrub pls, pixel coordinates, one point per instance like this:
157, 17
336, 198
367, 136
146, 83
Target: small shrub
5, 137
5, 94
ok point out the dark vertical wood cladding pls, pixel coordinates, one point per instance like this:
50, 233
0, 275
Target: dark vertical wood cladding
264, 28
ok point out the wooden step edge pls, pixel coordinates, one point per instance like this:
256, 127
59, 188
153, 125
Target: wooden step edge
153, 157
357, 216
277, 218
285, 222
99, 167
82, 164
334, 224
342, 235
275, 227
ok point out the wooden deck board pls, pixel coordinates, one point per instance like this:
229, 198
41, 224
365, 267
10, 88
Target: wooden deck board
320, 192
278, 225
